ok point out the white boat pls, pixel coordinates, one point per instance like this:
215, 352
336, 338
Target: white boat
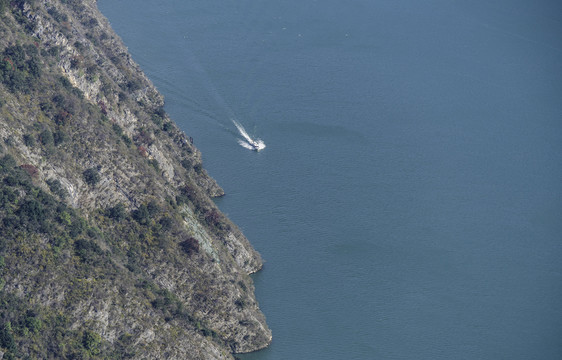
256, 146
248, 142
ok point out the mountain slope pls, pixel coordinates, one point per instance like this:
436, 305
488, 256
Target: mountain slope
110, 244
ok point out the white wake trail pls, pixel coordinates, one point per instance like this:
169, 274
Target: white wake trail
245, 144
242, 131
248, 143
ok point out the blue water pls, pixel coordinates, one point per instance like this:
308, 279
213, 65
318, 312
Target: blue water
409, 201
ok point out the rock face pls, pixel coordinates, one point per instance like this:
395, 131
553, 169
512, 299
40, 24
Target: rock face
108, 229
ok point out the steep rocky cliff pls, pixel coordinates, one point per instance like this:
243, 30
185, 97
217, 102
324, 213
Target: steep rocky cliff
110, 246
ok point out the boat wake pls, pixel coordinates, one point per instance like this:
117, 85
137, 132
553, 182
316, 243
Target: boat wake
248, 142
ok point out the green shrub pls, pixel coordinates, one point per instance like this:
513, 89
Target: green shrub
167, 126
20, 67
59, 137
46, 138
134, 85
3, 4
92, 22
7, 197
7, 163
117, 129
32, 321
117, 212
154, 164
65, 82
76, 227
56, 188
186, 163
92, 342
141, 215
7, 337
29, 140
157, 120
240, 303
166, 223
127, 140
54, 51
153, 208
92, 176
59, 17
31, 210
160, 112
190, 246
87, 250
79, 46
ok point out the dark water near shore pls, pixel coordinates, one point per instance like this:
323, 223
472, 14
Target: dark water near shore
409, 201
